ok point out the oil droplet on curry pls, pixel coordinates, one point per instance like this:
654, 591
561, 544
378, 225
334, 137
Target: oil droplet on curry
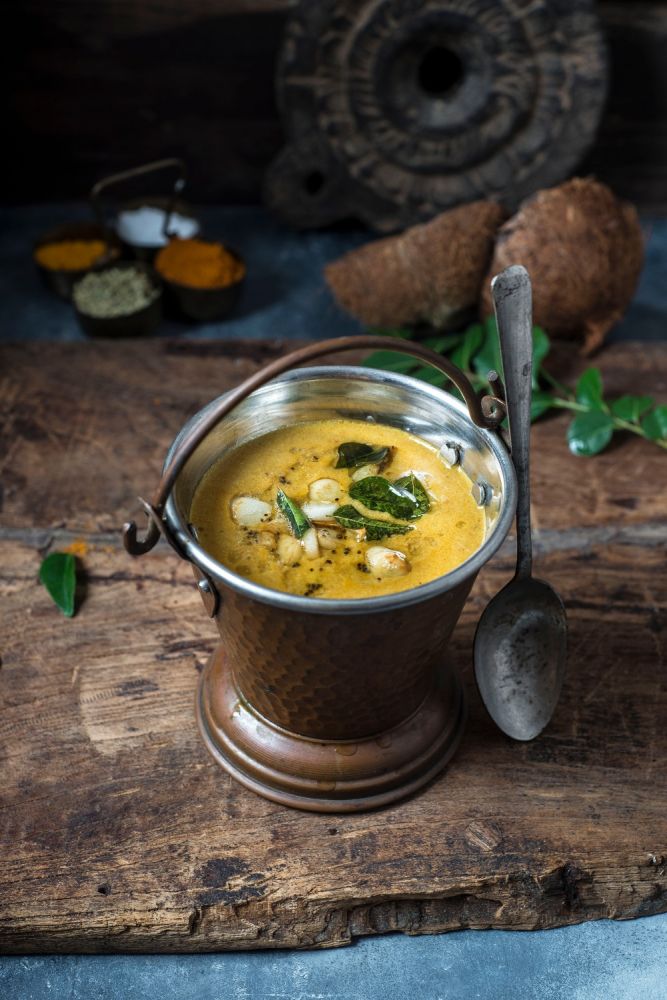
337, 509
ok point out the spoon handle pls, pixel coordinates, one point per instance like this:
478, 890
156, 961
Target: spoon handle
512, 300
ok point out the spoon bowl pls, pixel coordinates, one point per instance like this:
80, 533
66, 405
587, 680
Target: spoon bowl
521, 640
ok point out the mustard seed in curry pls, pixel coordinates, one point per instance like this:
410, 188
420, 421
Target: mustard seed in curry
337, 509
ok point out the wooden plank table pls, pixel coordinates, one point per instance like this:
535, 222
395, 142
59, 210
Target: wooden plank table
119, 833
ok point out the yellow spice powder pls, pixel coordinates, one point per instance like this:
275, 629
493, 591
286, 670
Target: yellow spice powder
199, 264
70, 255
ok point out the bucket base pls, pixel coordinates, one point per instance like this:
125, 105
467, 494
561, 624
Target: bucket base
330, 776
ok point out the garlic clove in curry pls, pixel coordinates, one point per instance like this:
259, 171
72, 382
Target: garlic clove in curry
329, 538
311, 546
386, 562
325, 491
249, 512
364, 471
319, 511
289, 549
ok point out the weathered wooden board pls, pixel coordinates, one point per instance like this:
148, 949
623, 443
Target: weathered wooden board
118, 833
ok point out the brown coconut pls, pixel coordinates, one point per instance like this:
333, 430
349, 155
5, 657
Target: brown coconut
584, 251
430, 273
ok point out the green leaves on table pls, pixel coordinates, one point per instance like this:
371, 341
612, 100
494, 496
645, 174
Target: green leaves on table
631, 407
654, 424
593, 427
297, 520
590, 432
589, 389
405, 499
476, 351
58, 575
354, 454
349, 517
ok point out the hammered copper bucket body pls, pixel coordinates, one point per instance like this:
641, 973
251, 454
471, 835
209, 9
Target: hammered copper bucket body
334, 705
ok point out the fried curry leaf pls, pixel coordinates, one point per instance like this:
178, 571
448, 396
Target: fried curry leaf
58, 574
349, 517
296, 518
397, 499
415, 488
353, 454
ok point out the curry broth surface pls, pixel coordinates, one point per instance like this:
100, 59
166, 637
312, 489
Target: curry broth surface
442, 538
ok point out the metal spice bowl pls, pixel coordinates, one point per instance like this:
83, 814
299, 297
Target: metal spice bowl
62, 281
204, 304
169, 204
140, 323
333, 705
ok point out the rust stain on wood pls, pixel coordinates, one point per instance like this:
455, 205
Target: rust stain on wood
118, 833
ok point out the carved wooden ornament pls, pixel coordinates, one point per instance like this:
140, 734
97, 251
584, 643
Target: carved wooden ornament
395, 110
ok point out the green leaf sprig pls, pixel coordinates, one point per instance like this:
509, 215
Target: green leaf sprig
476, 351
58, 574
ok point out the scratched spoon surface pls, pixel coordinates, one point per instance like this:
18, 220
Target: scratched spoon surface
521, 639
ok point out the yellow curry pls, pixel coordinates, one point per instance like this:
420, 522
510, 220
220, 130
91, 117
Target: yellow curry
337, 509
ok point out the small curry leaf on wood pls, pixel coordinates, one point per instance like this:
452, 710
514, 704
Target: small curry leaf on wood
349, 517
58, 574
354, 454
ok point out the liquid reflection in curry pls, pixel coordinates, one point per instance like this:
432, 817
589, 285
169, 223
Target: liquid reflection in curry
337, 509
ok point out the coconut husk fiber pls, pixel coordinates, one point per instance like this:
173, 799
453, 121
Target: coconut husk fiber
428, 274
584, 251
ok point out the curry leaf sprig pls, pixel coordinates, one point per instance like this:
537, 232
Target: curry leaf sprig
477, 352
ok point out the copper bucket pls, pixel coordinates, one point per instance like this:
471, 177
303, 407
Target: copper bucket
321, 704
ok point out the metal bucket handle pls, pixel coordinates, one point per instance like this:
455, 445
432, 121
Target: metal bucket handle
146, 168
487, 412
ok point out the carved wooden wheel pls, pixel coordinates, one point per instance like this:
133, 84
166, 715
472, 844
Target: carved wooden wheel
395, 110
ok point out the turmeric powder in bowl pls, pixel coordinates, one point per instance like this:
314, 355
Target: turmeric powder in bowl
71, 255
199, 264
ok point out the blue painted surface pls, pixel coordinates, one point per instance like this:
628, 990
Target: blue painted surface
596, 961
285, 296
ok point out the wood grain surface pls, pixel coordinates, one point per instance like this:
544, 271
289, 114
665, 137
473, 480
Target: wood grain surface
118, 833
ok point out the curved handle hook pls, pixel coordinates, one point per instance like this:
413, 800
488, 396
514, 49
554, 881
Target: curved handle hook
146, 168
139, 546
488, 412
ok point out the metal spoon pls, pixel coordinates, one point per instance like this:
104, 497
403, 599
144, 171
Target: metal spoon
520, 643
